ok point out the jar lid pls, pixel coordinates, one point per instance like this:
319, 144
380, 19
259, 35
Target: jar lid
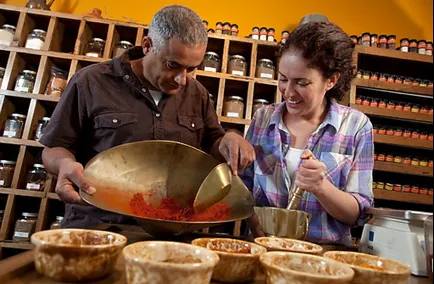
235, 26
39, 31
39, 166
285, 32
413, 40
9, 26
98, 39
262, 101
18, 115
237, 57
59, 218
271, 29
263, 28
422, 40
7, 162
29, 72
383, 35
126, 42
205, 21
391, 36
211, 30
2, 68
402, 39
46, 118
429, 42
226, 23
236, 98
266, 60
212, 53
366, 33
27, 214
218, 23
374, 34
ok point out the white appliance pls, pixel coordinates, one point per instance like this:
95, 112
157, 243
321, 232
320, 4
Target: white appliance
398, 235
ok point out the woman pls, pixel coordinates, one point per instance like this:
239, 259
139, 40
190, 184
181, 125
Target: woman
316, 68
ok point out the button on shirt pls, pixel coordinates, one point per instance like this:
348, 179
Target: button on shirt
105, 105
343, 142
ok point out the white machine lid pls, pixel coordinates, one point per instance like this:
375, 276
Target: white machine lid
399, 214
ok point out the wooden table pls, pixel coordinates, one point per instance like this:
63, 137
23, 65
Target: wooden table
20, 269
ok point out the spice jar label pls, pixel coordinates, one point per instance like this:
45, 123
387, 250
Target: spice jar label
23, 85
33, 186
210, 69
21, 235
9, 133
267, 75
92, 54
2, 182
232, 114
239, 73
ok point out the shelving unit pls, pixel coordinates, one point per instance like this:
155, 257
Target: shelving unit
404, 64
65, 45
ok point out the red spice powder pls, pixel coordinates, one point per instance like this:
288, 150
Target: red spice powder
169, 209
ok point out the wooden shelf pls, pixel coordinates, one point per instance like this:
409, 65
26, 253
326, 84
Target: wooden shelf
402, 141
403, 169
380, 85
391, 113
403, 197
234, 120
16, 245
29, 193
220, 75
29, 96
394, 54
53, 195
14, 141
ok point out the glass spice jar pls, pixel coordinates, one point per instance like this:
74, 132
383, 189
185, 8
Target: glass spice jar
415, 108
366, 75
398, 132
25, 81
399, 106
358, 100
36, 178
397, 160
354, 39
374, 103
391, 42
407, 161
57, 83
258, 103
381, 157
375, 156
407, 133
25, 227
263, 32
57, 224
285, 36
234, 107
388, 186
390, 105
382, 41
95, 47
237, 65
415, 162
374, 40
7, 33
122, 46
413, 46
424, 135
390, 132
428, 50
41, 126
389, 158
407, 107
359, 74
36, 39
421, 46
366, 101
374, 185
211, 62
211, 31
406, 188
380, 185
366, 39
430, 163
270, 34
415, 134
265, 69
397, 187
226, 28
382, 104
14, 126
219, 28
399, 79
375, 129
382, 130
391, 79
382, 77
423, 163
234, 29
404, 44
408, 81
423, 191
7, 169
2, 73
415, 83
374, 76
255, 33
414, 189
205, 24
423, 83
430, 137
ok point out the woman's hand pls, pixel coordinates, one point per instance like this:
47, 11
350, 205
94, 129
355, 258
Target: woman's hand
311, 173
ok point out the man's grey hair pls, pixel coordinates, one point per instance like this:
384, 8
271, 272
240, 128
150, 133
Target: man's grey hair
176, 21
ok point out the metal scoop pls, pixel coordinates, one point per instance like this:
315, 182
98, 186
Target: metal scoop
214, 188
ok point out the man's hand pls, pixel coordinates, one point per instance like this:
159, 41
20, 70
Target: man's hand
236, 151
70, 174
311, 174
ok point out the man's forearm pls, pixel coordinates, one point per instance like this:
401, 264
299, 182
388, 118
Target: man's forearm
53, 158
215, 152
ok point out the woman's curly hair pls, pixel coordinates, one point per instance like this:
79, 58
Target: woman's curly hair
328, 49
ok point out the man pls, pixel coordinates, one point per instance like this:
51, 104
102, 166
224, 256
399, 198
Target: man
146, 94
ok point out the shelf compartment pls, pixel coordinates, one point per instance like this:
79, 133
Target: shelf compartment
16, 64
394, 87
390, 113
64, 34
267, 92
120, 33
402, 141
26, 24
9, 17
244, 49
266, 52
236, 88
9, 105
87, 31
403, 169
403, 197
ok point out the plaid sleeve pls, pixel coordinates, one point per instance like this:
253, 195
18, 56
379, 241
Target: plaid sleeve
360, 177
247, 174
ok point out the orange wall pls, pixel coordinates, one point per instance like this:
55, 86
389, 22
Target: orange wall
405, 18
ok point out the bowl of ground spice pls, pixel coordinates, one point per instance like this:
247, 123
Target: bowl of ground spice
156, 182
168, 262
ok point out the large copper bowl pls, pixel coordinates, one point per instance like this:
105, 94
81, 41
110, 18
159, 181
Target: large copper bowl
158, 169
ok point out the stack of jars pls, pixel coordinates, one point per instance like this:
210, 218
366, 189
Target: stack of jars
223, 28
263, 33
402, 132
405, 160
394, 105
389, 186
384, 77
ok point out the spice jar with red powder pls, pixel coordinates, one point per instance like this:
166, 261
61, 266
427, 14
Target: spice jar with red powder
397, 187
407, 107
381, 157
424, 135
407, 133
415, 134
390, 105
430, 191
375, 156
375, 129
406, 188
415, 83
430, 84
408, 81
382, 130
389, 158
424, 109
423, 191
390, 132
374, 76
407, 161
399, 79
430, 137
382, 104
374, 103
382, 77
391, 79
414, 189
359, 100
366, 101
399, 106
398, 132
430, 163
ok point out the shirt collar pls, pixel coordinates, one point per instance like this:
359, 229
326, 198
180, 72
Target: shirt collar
332, 117
119, 66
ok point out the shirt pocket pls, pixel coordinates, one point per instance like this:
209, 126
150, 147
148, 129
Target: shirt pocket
338, 167
191, 129
116, 124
